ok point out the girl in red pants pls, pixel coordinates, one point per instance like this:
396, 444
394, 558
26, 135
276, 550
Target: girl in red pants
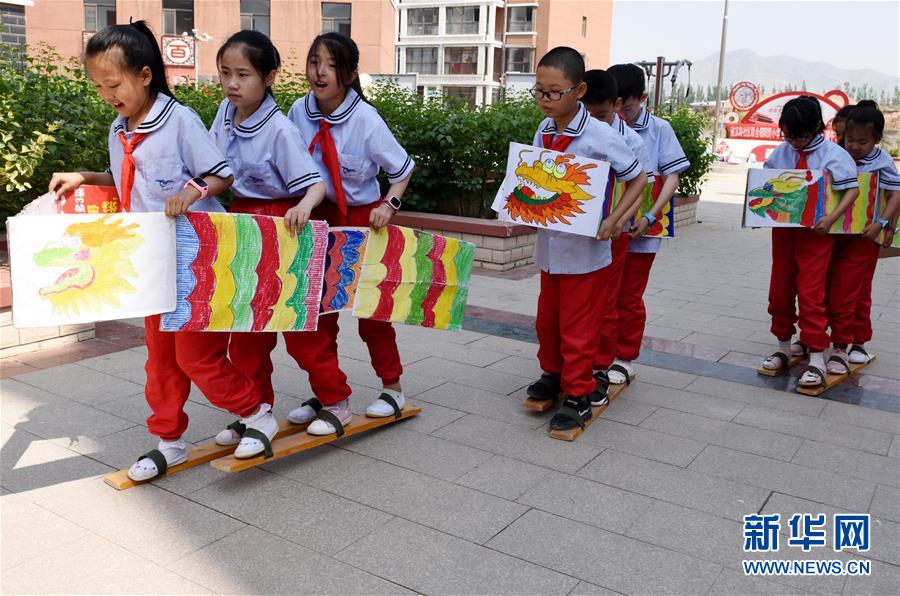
801, 256
274, 175
162, 159
350, 143
856, 255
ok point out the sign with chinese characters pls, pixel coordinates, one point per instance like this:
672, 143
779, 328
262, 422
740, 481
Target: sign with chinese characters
177, 50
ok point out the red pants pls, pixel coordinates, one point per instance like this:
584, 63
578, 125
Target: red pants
800, 260
850, 289
609, 326
314, 351
630, 306
568, 320
379, 336
174, 360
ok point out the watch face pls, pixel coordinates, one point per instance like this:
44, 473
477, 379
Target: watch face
394, 202
200, 182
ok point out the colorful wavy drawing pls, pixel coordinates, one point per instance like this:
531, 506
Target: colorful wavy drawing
414, 278
343, 261
664, 226
856, 218
241, 272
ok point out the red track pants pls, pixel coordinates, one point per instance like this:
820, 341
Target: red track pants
850, 289
609, 326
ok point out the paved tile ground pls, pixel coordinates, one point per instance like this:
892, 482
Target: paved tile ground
473, 496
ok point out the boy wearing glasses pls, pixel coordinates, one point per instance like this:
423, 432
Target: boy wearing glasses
573, 268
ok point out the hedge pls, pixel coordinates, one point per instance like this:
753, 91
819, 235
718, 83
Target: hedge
52, 119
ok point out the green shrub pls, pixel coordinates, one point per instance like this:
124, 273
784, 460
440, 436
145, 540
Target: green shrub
689, 128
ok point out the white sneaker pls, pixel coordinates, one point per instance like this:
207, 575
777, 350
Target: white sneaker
616, 377
263, 421
858, 354
321, 428
145, 468
305, 413
835, 366
229, 436
382, 409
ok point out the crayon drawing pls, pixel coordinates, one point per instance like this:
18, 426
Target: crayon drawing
242, 272
855, 219
784, 198
415, 278
343, 261
69, 269
553, 190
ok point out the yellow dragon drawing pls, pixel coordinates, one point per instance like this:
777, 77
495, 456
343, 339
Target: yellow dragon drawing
549, 190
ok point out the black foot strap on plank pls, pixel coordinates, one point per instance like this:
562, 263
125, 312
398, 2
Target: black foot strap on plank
156, 456
386, 398
252, 433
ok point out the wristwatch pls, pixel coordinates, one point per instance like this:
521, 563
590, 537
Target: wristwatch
649, 217
201, 185
393, 202
884, 222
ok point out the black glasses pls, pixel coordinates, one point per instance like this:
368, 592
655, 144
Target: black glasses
551, 95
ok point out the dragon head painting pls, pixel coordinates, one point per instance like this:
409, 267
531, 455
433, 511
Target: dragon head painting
95, 258
549, 190
783, 198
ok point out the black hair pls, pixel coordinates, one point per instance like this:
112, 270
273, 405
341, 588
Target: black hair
258, 49
345, 54
867, 112
601, 87
629, 79
138, 47
566, 59
801, 116
843, 113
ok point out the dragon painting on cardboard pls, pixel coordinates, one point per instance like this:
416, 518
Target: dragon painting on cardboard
784, 198
553, 190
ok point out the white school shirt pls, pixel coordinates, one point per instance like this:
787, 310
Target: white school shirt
364, 145
265, 151
561, 252
822, 155
881, 162
177, 148
666, 157
636, 144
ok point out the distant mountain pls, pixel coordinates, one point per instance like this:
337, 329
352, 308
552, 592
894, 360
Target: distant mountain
778, 71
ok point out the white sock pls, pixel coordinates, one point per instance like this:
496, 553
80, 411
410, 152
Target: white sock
392, 392
817, 359
176, 444
785, 347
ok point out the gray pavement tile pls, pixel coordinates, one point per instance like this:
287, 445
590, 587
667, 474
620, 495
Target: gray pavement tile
432, 417
676, 485
784, 477
884, 367
462, 336
441, 505
663, 376
732, 344
759, 396
93, 565
643, 442
505, 345
325, 522
603, 558
523, 366
587, 502
256, 562
146, 520
825, 431
29, 531
118, 450
736, 583
423, 453
588, 589
433, 345
683, 401
725, 434
79, 383
503, 477
849, 462
886, 503
472, 376
532, 446
888, 422
496, 406
628, 411
894, 451
126, 364
885, 579
430, 562
661, 331
191, 480
29, 462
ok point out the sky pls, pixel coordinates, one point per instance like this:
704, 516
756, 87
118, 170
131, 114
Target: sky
848, 34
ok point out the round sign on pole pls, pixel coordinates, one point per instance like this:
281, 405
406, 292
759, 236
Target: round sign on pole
744, 95
177, 51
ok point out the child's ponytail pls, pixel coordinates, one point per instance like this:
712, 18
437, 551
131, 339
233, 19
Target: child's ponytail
139, 48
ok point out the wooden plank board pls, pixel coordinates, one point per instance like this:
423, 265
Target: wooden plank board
200, 454
303, 441
795, 360
541, 405
831, 380
574, 433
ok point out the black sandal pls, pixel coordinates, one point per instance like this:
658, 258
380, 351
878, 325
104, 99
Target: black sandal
602, 378
817, 372
545, 388
785, 361
575, 411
